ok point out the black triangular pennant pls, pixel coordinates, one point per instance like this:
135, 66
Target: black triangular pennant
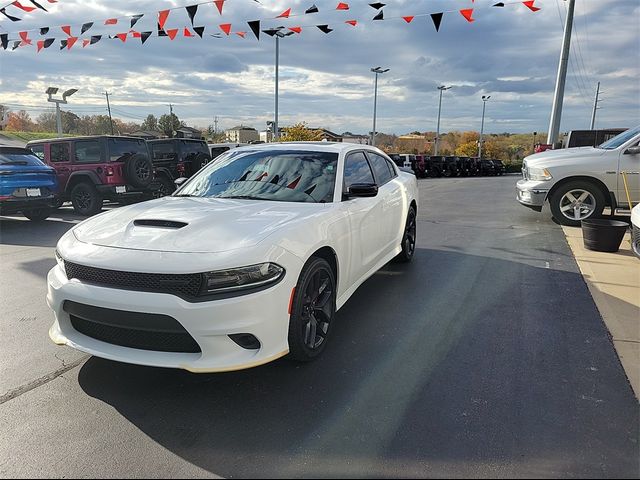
44, 30
437, 19
136, 18
13, 19
63, 44
161, 32
86, 27
16, 44
499, 4
312, 9
4, 40
255, 28
144, 36
38, 5
377, 6
199, 31
191, 11
379, 16
271, 32
48, 42
95, 39
325, 28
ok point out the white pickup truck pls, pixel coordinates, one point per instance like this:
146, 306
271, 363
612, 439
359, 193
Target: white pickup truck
579, 183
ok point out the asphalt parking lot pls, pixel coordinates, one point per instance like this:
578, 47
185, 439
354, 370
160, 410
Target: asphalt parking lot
484, 357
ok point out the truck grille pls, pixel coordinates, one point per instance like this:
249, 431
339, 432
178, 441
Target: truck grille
143, 331
181, 285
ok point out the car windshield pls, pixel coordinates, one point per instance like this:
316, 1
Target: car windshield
276, 175
19, 156
621, 139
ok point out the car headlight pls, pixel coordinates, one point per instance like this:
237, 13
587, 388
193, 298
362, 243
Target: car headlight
539, 174
242, 278
60, 260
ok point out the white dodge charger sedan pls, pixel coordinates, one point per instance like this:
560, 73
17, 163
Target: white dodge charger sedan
247, 262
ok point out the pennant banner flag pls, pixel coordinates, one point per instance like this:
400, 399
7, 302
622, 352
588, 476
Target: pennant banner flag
468, 14
342, 6
85, 28
499, 4
408, 19
271, 31
67, 29
312, 9
255, 28
285, 14
377, 6
111, 21
24, 36
172, 33
296, 29
191, 11
187, 33
38, 5
379, 16
352, 22
135, 19
86, 43
199, 31
162, 18
144, 36
437, 20
13, 19
24, 8
4, 40
219, 4
44, 30
95, 39
530, 5
71, 41
122, 36
325, 28
241, 34
226, 28
63, 44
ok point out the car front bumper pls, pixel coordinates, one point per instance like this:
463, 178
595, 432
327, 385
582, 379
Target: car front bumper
531, 194
263, 314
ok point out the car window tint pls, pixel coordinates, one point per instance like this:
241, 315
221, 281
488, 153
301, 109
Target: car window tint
88, 151
59, 152
18, 156
392, 169
38, 150
190, 150
215, 151
379, 164
357, 170
122, 148
163, 151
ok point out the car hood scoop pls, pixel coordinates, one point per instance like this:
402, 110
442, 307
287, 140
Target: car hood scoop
192, 225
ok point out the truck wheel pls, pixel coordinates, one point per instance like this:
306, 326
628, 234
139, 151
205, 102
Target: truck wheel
576, 201
138, 171
165, 187
85, 199
38, 214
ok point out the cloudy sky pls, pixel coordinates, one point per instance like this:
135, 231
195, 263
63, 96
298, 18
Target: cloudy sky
509, 53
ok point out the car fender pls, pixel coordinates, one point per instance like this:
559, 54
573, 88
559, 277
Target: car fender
76, 176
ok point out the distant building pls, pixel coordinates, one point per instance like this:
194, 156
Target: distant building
189, 132
348, 137
413, 143
327, 135
242, 134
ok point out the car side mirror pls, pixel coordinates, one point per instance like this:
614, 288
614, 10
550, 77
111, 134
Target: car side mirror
363, 190
180, 181
632, 151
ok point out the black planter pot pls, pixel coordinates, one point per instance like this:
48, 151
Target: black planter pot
603, 235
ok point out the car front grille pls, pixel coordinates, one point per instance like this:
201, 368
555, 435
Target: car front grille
142, 331
182, 285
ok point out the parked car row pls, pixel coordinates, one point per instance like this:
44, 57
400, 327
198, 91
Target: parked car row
448, 166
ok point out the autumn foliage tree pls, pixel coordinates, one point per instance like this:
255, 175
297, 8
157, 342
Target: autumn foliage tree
300, 133
20, 122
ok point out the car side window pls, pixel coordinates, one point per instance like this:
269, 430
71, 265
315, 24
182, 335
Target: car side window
38, 150
59, 152
88, 151
357, 170
379, 164
392, 168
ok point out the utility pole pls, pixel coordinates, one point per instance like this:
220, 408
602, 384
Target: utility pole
276, 132
595, 107
558, 97
485, 98
109, 109
215, 124
171, 109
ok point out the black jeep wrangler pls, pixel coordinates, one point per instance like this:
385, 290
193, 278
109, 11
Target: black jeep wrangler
175, 158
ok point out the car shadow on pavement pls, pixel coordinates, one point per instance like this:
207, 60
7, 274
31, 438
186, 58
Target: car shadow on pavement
17, 230
450, 366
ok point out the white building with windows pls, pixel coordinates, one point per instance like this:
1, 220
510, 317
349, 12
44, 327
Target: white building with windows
242, 134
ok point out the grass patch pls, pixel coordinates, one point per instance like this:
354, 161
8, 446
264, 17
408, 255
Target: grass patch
29, 136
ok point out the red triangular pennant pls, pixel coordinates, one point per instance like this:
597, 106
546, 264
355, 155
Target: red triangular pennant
241, 34
187, 33
86, 43
67, 29
226, 28
111, 21
122, 37
530, 5
24, 36
408, 19
468, 14
40, 45
162, 18
135, 34
342, 6
219, 4
285, 14
296, 29
172, 33
352, 22
23, 7
71, 41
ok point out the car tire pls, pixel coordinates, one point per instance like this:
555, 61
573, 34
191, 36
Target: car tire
576, 201
446, 173
138, 170
85, 199
38, 214
166, 187
408, 238
312, 311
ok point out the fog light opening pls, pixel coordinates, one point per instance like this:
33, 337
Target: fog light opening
246, 341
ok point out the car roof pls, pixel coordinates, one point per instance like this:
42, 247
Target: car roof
88, 137
336, 147
156, 140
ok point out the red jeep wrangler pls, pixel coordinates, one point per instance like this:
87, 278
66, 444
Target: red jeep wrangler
92, 169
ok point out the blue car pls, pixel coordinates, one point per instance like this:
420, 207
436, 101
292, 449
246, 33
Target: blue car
26, 184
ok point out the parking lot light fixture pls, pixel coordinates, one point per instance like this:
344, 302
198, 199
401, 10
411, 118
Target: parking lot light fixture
442, 88
51, 91
485, 99
377, 71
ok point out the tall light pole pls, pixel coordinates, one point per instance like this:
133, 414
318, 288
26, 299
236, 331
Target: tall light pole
595, 107
442, 88
52, 91
485, 98
377, 71
109, 110
278, 35
558, 97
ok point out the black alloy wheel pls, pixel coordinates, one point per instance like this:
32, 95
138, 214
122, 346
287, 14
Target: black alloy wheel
85, 199
409, 238
165, 187
313, 310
